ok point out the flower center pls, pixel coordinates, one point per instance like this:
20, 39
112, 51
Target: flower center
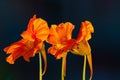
33, 36
64, 38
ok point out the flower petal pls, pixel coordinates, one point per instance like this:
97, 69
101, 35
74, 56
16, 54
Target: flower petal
28, 33
85, 31
64, 31
81, 48
37, 28
13, 46
53, 37
29, 53
41, 29
52, 50
68, 46
10, 59
60, 33
14, 55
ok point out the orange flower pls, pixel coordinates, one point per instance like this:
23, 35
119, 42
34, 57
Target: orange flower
32, 42
23, 48
82, 47
58, 37
78, 46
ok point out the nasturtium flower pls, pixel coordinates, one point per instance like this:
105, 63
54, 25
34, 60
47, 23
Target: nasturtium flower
31, 42
78, 46
58, 36
82, 47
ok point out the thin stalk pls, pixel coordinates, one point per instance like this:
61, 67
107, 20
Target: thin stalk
40, 66
63, 74
84, 68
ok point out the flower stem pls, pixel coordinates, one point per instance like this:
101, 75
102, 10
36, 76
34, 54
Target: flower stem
40, 66
84, 68
63, 74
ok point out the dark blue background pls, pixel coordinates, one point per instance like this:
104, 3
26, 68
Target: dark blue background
105, 16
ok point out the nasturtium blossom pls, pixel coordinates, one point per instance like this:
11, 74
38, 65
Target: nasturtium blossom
31, 42
78, 46
58, 36
82, 47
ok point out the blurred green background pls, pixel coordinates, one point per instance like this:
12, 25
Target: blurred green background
105, 42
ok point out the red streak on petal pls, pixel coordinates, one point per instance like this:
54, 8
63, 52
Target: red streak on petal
33, 36
68, 45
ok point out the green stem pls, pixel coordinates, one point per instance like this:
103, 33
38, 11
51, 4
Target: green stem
40, 66
63, 67
62, 74
84, 68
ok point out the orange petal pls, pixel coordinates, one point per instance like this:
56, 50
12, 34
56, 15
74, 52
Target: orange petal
28, 53
31, 48
52, 50
41, 29
14, 55
37, 28
30, 24
68, 46
81, 48
13, 46
10, 59
90, 29
27, 34
60, 33
15, 50
23, 48
53, 37
85, 31
64, 31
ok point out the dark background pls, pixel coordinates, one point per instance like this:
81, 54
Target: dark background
105, 16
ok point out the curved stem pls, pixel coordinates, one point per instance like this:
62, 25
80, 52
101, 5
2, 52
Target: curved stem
40, 66
84, 68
